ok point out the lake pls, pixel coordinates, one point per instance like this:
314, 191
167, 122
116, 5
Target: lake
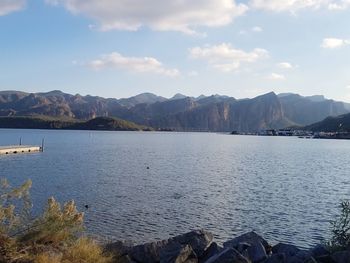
285, 188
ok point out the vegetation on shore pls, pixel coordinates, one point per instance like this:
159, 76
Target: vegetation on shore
340, 239
55, 236
45, 122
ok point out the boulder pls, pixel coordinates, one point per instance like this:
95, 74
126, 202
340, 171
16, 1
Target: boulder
256, 253
249, 238
324, 259
302, 256
177, 253
149, 252
276, 258
212, 250
341, 257
124, 259
228, 255
243, 246
287, 249
319, 251
119, 248
292, 253
199, 240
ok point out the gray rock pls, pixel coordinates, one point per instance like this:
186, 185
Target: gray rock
295, 260
199, 240
119, 248
177, 253
212, 250
324, 259
124, 259
276, 258
243, 246
311, 260
319, 251
341, 257
250, 238
301, 256
287, 249
292, 253
149, 252
228, 255
256, 252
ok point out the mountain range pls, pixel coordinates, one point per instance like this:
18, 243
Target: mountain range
215, 113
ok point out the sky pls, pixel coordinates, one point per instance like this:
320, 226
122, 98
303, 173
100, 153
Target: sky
120, 48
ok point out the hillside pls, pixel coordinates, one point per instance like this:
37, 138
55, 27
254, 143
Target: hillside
331, 124
108, 124
43, 122
205, 113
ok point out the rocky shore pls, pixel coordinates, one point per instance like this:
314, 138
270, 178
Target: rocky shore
198, 247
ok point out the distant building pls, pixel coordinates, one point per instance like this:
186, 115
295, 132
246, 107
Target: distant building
270, 132
285, 132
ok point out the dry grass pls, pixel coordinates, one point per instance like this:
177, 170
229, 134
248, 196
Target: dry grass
47, 258
54, 237
84, 250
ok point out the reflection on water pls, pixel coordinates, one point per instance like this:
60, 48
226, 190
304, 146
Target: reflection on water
285, 188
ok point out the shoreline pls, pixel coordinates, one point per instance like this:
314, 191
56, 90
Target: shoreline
199, 246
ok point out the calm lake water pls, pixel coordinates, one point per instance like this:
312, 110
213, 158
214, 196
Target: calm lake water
286, 189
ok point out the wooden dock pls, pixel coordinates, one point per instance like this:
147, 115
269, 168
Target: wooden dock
16, 149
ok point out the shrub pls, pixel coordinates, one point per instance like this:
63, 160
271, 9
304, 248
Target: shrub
340, 238
56, 224
56, 236
9, 219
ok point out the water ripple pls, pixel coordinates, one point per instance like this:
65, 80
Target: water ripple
284, 188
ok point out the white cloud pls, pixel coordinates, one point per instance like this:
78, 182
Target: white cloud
193, 73
295, 5
332, 43
285, 65
276, 76
133, 64
257, 29
339, 5
9, 6
243, 32
226, 58
161, 15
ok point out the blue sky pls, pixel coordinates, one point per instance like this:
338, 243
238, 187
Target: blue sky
119, 48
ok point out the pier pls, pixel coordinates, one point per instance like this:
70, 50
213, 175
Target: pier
16, 149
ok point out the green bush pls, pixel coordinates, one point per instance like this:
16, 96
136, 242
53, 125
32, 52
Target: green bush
340, 238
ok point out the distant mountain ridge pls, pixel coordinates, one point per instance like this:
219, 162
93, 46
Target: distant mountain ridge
215, 113
331, 124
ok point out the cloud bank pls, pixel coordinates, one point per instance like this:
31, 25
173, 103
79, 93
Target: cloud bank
276, 76
333, 43
285, 65
226, 58
132, 64
295, 5
160, 15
